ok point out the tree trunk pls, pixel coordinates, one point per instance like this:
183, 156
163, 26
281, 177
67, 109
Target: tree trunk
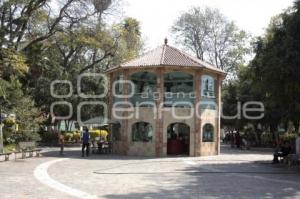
257, 134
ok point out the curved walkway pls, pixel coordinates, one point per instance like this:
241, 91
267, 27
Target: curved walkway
233, 174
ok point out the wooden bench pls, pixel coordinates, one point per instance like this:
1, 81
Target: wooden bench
27, 147
6, 155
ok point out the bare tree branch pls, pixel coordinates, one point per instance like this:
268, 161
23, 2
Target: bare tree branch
52, 27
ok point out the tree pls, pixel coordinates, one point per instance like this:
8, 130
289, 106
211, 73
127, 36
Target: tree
272, 77
27, 22
229, 106
276, 66
39, 44
212, 37
28, 115
77, 50
130, 42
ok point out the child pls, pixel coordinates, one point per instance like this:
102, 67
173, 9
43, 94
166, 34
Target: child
61, 142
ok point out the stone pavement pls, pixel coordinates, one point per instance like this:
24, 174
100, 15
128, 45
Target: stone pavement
234, 174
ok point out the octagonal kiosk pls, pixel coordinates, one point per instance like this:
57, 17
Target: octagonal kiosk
165, 102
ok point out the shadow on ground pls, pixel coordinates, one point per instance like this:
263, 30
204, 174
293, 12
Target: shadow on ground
206, 179
243, 180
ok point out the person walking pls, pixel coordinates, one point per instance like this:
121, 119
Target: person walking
61, 142
231, 137
85, 142
238, 139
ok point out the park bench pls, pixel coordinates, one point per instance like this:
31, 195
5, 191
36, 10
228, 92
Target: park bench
6, 155
27, 147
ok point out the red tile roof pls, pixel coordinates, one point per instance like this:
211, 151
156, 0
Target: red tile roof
166, 55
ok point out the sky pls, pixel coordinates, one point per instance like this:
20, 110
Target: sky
158, 16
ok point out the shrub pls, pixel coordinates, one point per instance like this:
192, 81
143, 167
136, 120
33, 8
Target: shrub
289, 137
104, 134
267, 139
9, 122
76, 136
98, 133
49, 137
68, 136
95, 133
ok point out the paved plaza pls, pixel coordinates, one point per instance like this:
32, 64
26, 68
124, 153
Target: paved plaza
233, 174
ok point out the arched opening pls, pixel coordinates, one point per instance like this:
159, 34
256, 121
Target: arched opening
145, 86
208, 87
208, 133
178, 139
116, 132
179, 88
142, 132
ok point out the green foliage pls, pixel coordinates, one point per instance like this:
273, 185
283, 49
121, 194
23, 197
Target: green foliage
49, 137
9, 122
76, 136
267, 139
272, 77
9, 148
130, 44
275, 67
288, 137
11, 137
39, 44
28, 116
212, 38
68, 136
230, 101
12, 63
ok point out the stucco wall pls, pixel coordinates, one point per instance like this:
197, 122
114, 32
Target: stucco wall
209, 148
119, 148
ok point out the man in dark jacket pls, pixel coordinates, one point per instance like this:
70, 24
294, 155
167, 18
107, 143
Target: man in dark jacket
86, 142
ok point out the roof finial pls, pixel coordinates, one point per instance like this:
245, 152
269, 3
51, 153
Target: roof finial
166, 41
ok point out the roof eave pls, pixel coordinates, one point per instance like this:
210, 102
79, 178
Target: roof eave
215, 70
